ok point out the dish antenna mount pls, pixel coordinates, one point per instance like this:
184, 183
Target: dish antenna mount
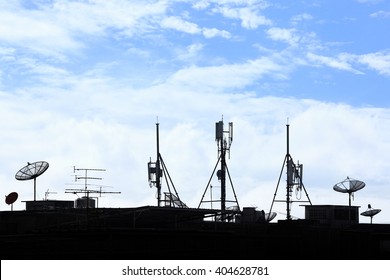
32, 171
349, 186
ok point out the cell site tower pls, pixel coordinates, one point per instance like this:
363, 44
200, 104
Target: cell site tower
294, 180
156, 170
224, 139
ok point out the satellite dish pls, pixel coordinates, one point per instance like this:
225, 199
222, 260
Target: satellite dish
32, 171
270, 216
11, 198
349, 186
370, 212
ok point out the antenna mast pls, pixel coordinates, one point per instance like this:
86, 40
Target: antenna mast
294, 179
224, 141
155, 173
158, 169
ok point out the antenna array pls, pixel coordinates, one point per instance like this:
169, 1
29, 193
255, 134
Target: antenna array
294, 180
156, 170
224, 139
85, 177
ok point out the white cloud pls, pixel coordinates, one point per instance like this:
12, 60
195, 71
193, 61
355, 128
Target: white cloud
369, 1
340, 63
61, 26
301, 17
180, 25
379, 61
380, 14
33, 32
191, 53
192, 28
249, 16
285, 35
229, 75
203, 4
213, 32
100, 17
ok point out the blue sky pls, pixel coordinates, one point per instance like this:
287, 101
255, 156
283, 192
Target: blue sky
82, 83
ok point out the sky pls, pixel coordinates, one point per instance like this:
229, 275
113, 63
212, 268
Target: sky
83, 84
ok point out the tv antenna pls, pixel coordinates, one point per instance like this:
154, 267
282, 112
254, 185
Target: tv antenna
85, 177
32, 171
370, 212
224, 139
349, 186
47, 194
156, 170
10, 199
294, 180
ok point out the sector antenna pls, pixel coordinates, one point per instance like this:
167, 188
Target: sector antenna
349, 186
32, 171
370, 212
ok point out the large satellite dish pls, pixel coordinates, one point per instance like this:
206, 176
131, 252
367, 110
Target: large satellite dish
32, 171
370, 212
349, 186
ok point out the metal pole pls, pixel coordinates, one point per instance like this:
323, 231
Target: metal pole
35, 188
223, 180
158, 184
289, 173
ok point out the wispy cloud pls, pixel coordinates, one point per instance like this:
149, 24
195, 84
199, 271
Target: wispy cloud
340, 63
181, 25
228, 76
250, 17
285, 35
380, 14
379, 61
301, 17
369, 1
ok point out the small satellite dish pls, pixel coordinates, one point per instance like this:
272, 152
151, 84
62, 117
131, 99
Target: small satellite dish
349, 186
32, 171
270, 216
11, 198
370, 212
